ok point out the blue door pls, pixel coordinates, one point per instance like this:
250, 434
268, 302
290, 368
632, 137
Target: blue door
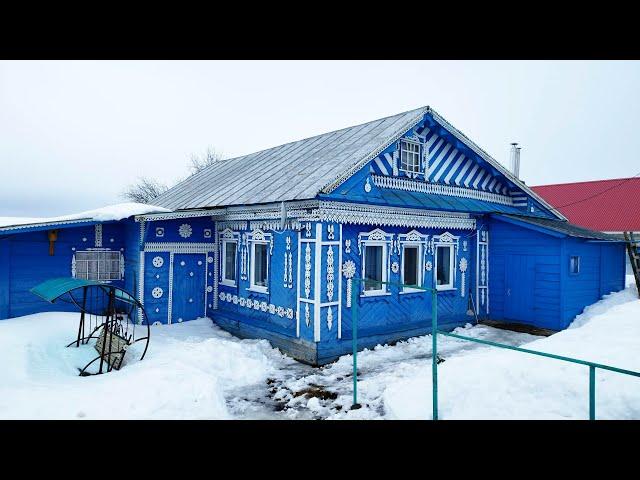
189, 285
519, 282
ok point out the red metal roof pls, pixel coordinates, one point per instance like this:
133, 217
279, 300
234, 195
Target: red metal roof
605, 205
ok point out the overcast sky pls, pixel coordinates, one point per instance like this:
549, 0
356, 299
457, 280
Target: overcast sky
74, 134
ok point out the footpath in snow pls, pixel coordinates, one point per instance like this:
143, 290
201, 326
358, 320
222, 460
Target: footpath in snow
196, 370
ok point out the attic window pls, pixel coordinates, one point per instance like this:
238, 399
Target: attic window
409, 156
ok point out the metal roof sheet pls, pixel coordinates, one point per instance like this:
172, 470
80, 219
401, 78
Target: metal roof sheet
293, 171
605, 205
565, 228
303, 169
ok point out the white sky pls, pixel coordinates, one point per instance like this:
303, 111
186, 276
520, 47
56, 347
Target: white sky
73, 134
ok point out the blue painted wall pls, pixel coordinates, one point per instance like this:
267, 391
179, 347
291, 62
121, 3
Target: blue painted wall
529, 275
27, 262
601, 272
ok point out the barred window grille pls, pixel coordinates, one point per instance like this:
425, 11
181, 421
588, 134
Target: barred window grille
409, 156
98, 265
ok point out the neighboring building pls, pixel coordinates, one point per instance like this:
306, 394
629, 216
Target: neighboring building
610, 206
270, 245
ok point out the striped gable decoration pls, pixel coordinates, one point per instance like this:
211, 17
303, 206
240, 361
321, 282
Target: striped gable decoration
443, 164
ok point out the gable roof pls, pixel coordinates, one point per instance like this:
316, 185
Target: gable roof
304, 169
605, 205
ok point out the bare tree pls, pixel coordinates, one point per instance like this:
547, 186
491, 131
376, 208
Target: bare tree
200, 162
145, 190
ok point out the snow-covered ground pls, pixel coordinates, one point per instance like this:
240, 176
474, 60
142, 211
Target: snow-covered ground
196, 370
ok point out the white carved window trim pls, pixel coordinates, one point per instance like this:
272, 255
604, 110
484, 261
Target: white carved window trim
228, 236
406, 148
92, 256
445, 239
413, 239
223, 264
258, 237
376, 237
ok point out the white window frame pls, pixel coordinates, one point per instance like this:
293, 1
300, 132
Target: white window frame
445, 239
413, 239
385, 253
419, 267
223, 264
252, 276
258, 236
452, 266
228, 236
403, 143
119, 273
376, 237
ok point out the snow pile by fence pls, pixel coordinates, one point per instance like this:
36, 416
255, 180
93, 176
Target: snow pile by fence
184, 375
502, 384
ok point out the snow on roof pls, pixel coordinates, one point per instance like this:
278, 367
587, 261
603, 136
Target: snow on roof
104, 214
604, 205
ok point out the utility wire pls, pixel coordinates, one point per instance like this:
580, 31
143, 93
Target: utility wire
596, 194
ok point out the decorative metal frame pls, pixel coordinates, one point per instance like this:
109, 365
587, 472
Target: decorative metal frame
113, 327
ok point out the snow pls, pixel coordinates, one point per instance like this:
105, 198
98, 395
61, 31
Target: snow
195, 370
184, 375
104, 214
502, 384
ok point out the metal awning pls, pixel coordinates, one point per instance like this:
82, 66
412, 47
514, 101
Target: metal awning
52, 289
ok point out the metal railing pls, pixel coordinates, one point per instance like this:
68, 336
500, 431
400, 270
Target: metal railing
355, 294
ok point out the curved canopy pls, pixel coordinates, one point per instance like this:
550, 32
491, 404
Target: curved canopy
52, 289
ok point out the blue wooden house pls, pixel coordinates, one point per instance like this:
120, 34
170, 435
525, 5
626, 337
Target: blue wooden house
272, 244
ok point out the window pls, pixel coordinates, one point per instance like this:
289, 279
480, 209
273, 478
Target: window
444, 267
411, 266
574, 265
374, 248
409, 156
259, 269
98, 265
229, 255
373, 268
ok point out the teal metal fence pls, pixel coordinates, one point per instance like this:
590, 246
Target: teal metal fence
355, 294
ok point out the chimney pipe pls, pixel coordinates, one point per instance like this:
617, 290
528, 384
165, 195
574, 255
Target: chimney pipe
515, 160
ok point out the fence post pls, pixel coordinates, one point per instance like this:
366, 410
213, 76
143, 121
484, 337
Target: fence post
592, 392
434, 351
354, 338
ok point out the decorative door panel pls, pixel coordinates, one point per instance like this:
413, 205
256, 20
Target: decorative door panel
156, 286
189, 286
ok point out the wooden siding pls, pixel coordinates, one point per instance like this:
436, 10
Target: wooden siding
601, 272
535, 287
29, 263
